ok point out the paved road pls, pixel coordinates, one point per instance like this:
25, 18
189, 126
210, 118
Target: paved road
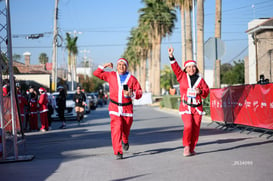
84, 152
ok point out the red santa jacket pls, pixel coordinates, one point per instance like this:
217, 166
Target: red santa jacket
22, 101
43, 101
33, 106
116, 91
185, 83
5, 90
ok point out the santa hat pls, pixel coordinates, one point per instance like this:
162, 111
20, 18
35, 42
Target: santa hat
42, 89
124, 61
189, 62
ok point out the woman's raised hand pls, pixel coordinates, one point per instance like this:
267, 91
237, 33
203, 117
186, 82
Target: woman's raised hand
170, 51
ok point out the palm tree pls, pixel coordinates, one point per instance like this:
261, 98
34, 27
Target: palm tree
43, 59
188, 26
16, 57
160, 19
185, 7
131, 56
139, 40
72, 48
181, 6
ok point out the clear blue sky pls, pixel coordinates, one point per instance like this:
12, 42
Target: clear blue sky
105, 26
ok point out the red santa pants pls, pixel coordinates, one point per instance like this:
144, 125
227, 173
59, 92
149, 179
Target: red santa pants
33, 121
44, 120
191, 131
22, 120
120, 130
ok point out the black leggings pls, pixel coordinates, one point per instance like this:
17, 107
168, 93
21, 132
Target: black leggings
80, 116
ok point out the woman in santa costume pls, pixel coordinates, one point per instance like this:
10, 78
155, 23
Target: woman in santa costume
192, 89
33, 111
22, 103
123, 88
43, 101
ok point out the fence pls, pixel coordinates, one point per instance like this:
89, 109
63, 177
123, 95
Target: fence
249, 105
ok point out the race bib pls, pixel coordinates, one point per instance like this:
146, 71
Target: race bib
191, 93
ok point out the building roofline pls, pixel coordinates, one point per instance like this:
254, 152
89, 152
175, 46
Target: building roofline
260, 27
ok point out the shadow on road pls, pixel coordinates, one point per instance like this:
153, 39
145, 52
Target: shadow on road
234, 147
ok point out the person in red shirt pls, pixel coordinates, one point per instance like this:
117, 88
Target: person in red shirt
22, 101
33, 111
192, 89
5, 87
123, 88
43, 101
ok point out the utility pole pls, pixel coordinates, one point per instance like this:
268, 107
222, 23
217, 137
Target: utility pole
54, 53
85, 61
218, 23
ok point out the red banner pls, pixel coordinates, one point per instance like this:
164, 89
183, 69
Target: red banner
221, 105
250, 105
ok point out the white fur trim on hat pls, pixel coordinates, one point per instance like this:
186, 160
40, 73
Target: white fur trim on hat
124, 61
189, 62
42, 89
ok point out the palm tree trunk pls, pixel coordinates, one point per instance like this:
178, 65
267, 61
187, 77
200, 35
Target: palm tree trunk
143, 74
69, 77
138, 71
157, 63
74, 77
149, 69
153, 64
200, 36
188, 33
75, 70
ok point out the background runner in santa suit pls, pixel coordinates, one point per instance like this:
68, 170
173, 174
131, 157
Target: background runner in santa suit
43, 101
120, 106
192, 88
22, 103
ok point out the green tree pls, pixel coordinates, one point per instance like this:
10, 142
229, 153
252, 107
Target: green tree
233, 74
167, 79
16, 57
5, 70
185, 7
225, 68
137, 49
90, 84
72, 48
160, 17
43, 58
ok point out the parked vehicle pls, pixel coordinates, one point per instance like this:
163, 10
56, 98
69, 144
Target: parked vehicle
93, 100
70, 106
